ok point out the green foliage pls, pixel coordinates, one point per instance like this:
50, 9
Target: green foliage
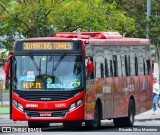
37, 18
5, 91
153, 51
3, 56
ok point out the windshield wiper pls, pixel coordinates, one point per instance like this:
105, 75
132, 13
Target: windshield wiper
59, 61
34, 62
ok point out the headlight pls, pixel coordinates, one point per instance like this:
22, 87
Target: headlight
72, 106
15, 103
79, 102
75, 104
18, 105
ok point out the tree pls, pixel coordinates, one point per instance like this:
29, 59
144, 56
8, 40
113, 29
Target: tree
36, 18
3, 56
137, 9
154, 22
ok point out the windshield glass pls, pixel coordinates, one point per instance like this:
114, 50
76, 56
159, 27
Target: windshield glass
56, 72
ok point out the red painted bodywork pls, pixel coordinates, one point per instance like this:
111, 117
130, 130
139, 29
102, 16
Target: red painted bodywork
114, 103
19, 115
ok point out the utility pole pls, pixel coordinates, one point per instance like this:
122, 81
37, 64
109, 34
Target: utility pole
148, 17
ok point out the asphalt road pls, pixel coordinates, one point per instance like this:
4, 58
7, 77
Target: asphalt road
107, 128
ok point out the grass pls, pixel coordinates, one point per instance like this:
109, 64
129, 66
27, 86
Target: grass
5, 91
4, 109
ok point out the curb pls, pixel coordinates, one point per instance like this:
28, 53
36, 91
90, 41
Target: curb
5, 116
147, 119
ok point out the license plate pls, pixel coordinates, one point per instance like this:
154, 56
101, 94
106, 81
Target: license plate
45, 114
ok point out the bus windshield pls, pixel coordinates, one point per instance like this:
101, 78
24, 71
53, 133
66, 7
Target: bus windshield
54, 72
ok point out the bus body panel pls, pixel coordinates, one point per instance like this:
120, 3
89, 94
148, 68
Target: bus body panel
48, 106
113, 91
77, 114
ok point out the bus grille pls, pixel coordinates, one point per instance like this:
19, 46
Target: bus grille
54, 113
45, 95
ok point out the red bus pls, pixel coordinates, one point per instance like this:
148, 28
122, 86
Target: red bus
77, 77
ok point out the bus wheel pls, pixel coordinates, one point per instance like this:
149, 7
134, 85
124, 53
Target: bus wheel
131, 114
70, 124
96, 122
126, 121
33, 124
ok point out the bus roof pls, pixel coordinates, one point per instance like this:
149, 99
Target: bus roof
96, 38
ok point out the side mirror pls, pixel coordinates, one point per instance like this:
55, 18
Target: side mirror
90, 66
6, 67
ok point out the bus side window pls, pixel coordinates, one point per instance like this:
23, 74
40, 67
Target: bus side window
106, 68
123, 62
148, 66
115, 64
132, 61
91, 74
102, 70
136, 66
14, 73
144, 67
127, 65
111, 68
147, 60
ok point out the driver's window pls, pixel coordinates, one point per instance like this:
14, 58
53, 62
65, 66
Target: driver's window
89, 55
89, 75
14, 76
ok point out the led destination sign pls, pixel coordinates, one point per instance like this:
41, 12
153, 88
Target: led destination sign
47, 46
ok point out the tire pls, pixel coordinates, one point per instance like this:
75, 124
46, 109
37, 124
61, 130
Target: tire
96, 122
126, 121
70, 124
33, 124
130, 118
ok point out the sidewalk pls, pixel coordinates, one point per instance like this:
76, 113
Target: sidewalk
148, 115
